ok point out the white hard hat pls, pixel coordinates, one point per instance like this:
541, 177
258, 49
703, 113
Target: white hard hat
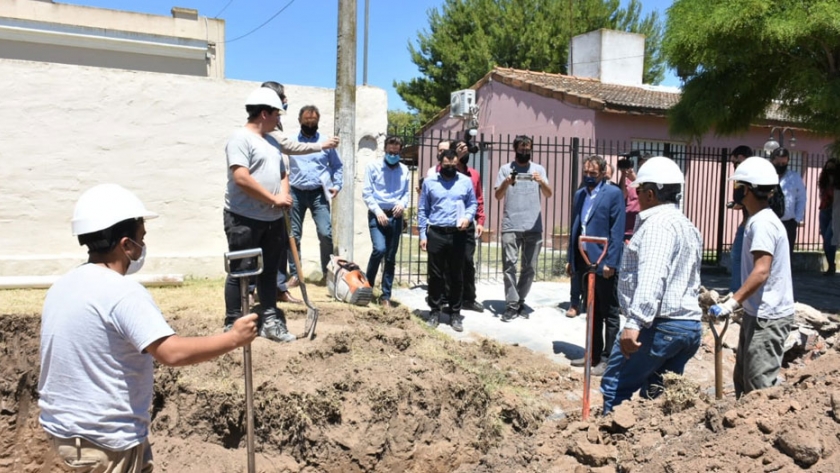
659, 170
102, 206
264, 96
756, 171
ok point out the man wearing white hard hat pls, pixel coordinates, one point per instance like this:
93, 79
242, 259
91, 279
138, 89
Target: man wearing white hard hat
766, 291
100, 333
256, 195
659, 281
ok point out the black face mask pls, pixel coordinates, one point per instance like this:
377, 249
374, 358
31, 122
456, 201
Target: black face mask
780, 168
447, 171
464, 159
309, 130
523, 158
738, 195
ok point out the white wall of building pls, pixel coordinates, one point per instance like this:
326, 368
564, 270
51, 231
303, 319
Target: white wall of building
67, 128
613, 57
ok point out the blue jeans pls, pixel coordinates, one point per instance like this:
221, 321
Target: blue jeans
826, 232
735, 257
667, 345
317, 204
386, 242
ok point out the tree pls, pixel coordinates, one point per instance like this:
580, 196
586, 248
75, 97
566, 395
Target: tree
738, 58
400, 121
466, 39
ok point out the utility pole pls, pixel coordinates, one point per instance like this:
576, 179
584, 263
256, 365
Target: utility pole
345, 125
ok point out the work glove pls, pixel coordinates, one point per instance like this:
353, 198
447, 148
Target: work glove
724, 309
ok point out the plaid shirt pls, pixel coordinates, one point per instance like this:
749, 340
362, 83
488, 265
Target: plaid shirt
660, 268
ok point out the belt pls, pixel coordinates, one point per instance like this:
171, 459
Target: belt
315, 189
446, 230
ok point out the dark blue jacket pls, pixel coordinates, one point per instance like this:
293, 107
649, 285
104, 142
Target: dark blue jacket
605, 220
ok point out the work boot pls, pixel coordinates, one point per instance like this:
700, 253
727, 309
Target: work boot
434, 319
456, 321
274, 329
473, 306
229, 323
510, 314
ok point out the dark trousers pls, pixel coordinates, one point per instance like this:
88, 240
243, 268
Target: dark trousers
606, 321
446, 247
791, 227
244, 233
469, 265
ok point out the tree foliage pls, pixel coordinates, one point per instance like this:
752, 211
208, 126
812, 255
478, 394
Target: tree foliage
466, 39
737, 58
400, 121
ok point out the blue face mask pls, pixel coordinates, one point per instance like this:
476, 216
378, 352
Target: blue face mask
285, 106
392, 159
590, 181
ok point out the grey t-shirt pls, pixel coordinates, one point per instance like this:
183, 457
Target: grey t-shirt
764, 232
523, 208
96, 380
261, 155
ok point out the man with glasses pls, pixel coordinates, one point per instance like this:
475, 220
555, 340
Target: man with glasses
598, 211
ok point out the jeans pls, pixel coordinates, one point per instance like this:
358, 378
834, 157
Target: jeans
386, 242
245, 233
529, 243
759, 354
445, 247
735, 258
317, 204
827, 234
667, 345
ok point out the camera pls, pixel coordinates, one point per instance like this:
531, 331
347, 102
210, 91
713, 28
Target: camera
513, 174
468, 137
625, 163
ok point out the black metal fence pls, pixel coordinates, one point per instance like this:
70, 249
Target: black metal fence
704, 200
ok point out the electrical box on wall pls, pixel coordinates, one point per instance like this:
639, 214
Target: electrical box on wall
460, 103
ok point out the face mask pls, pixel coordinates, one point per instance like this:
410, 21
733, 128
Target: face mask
780, 168
523, 158
135, 265
309, 130
590, 181
738, 195
464, 159
392, 159
285, 106
447, 171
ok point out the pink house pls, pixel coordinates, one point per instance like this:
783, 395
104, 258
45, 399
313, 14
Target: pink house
571, 117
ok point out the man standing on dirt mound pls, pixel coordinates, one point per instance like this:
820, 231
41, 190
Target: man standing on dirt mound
256, 194
659, 281
598, 211
766, 291
100, 333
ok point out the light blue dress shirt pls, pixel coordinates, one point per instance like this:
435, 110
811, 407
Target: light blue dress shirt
443, 202
307, 169
385, 186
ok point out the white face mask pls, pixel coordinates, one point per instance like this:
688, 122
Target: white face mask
136, 265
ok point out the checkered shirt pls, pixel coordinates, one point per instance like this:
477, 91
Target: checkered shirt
660, 268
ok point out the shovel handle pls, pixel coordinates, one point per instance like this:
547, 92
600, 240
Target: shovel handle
718, 356
590, 313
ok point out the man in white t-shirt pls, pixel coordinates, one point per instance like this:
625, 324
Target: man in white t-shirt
766, 291
101, 332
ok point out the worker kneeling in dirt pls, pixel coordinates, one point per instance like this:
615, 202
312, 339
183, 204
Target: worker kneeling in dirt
100, 332
766, 291
659, 281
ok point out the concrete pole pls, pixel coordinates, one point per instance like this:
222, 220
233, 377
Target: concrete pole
345, 126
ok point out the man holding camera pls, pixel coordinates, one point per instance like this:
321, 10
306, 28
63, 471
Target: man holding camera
521, 183
626, 177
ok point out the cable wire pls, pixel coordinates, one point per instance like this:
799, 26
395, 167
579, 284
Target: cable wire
223, 9
263, 24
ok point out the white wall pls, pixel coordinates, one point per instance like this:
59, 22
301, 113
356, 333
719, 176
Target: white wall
613, 57
67, 128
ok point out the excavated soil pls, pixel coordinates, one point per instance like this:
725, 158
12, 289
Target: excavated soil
378, 392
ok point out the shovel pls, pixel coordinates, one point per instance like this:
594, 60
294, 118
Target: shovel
311, 311
718, 356
590, 312
244, 273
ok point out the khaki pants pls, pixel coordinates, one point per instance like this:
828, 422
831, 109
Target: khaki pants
80, 456
761, 347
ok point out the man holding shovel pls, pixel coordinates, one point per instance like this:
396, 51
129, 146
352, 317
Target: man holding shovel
657, 290
256, 194
100, 333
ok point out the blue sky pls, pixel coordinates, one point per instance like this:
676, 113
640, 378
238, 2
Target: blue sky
299, 45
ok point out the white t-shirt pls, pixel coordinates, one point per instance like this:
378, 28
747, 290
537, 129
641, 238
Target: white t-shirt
773, 300
261, 156
96, 382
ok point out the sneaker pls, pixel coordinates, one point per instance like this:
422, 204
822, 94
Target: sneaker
434, 319
275, 330
473, 306
599, 369
578, 362
456, 321
572, 312
520, 310
229, 323
510, 314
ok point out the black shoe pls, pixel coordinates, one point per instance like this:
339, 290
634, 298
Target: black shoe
520, 310
446, 309
229, 323
578, 362
456, 321
599, 369
473, 306
831, 271
510, 314
434, 319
